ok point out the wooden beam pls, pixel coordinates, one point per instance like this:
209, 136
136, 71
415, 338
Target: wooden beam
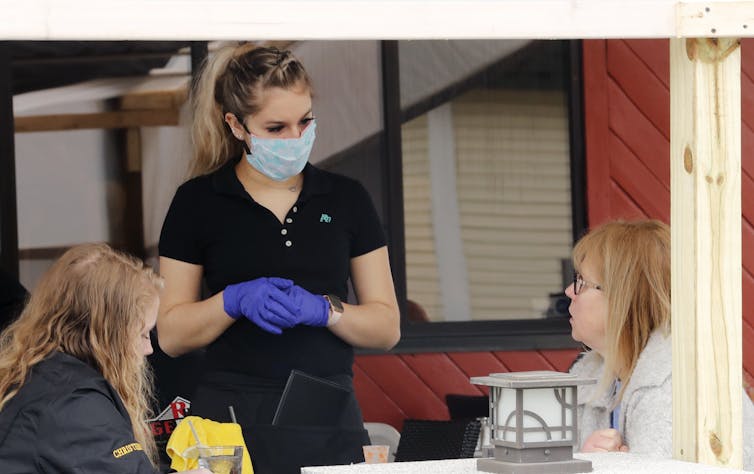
337, 19
42, 253
101, 120
705, 155
133, 217
166, 99
724, 19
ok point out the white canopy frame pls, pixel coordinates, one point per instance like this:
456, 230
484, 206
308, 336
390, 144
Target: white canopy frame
705, 136
370, 19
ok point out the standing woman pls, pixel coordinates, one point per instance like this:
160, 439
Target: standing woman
620, 309
275, 240
74, 385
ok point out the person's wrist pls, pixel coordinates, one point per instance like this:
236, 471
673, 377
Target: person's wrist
335, 309
230, 301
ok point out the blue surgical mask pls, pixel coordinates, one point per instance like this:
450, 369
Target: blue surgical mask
281, 158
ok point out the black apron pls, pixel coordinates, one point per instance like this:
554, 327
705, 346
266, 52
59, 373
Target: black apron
280, 449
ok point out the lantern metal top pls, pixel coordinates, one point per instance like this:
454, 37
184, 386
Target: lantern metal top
532, 379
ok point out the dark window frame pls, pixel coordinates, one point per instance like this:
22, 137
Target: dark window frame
519, 334
8, 211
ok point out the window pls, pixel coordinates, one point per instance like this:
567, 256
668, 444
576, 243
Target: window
492, 184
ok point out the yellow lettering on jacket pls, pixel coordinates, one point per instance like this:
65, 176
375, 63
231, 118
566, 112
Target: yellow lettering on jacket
129, 448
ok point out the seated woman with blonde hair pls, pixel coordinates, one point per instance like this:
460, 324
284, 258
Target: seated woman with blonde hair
74, 385
620, 309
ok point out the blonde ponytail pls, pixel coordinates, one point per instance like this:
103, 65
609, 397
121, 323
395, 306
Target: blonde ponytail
210, 140
233, 80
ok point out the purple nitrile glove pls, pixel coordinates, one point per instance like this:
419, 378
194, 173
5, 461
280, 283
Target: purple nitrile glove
259, 301
310, 309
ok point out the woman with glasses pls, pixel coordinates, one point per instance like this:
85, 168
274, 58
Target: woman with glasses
620, 310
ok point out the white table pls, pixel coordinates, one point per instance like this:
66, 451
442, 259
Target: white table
618, 463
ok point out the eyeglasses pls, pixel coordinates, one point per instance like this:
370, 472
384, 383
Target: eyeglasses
579, 283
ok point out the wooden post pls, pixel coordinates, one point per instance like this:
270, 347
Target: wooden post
133, 225
705, 215
8, 212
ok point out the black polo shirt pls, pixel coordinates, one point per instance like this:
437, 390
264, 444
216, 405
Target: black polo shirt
213, 222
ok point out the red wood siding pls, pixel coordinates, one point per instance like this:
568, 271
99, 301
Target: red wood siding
627, 103
627, 117
392, 388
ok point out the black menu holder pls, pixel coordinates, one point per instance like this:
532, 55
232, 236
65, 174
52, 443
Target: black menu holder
310, 401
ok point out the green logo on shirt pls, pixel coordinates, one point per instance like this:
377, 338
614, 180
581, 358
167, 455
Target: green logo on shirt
325, 218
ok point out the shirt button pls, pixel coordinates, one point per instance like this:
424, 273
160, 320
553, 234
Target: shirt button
284, 231
288, 243
288, 220
295, 209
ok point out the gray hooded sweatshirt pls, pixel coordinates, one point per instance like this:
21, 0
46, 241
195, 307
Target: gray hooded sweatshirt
646, 410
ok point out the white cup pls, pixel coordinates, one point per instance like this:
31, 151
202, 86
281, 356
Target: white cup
375, 453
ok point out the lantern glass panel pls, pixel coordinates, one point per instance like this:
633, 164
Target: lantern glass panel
506, 414
548, 412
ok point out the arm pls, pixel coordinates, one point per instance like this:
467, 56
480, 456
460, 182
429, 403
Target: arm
604, 441
375, 321
84, 432
649, 427
185, 323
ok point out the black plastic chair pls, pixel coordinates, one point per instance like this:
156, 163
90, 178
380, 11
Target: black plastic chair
467, 406
424, 440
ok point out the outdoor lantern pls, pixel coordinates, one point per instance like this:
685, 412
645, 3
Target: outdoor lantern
533, 420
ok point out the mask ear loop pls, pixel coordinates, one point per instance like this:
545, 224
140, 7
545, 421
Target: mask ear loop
245, 145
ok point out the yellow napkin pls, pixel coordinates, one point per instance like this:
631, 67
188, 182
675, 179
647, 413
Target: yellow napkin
211, 433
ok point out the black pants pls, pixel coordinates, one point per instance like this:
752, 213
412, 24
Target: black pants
280, 449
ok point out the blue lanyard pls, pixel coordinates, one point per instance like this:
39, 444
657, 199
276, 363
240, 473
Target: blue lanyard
615, 418
615, 414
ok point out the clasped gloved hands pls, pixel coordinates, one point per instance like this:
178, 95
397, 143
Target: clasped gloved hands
275, 304
262, 302
310, 309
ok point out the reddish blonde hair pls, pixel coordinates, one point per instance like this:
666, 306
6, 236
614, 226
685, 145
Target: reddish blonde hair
632, 259
90, 304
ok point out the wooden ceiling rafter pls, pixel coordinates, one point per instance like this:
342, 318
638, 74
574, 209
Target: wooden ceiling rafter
142, 108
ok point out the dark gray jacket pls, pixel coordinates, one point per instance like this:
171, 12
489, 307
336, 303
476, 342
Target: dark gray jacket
67, 419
